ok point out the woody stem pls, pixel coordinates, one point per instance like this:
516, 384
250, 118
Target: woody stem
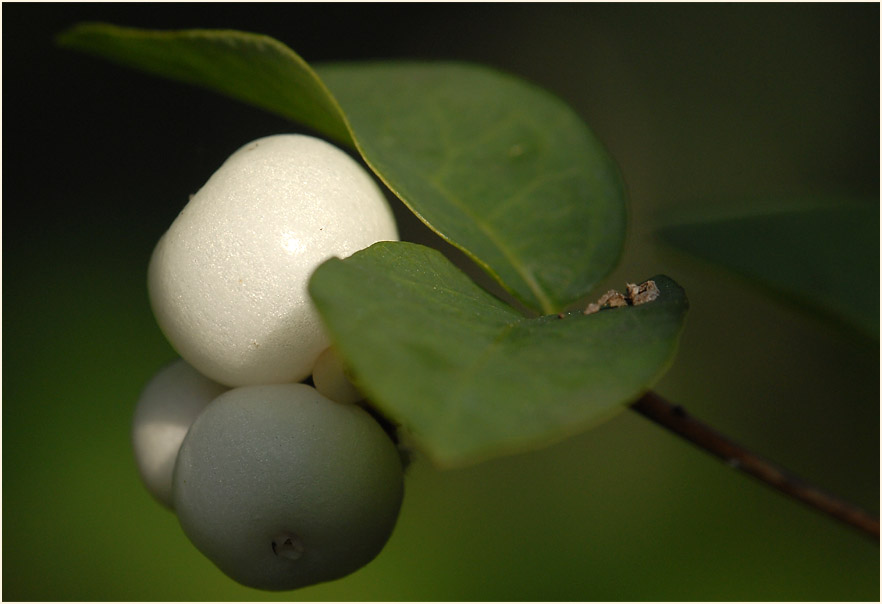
675, 419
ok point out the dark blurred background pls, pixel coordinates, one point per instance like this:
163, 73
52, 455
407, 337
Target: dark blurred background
703, 106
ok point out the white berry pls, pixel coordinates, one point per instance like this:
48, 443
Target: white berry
168, 405
330, 378
228, 280
282, 488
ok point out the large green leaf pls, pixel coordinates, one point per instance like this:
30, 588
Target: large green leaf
824, 259
468, 376
498, 167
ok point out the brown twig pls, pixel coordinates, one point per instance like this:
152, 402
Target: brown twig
675, 419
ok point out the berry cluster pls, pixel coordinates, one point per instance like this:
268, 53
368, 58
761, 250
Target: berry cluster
279, 483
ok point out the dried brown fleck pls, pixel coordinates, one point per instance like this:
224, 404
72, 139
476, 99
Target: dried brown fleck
643, 293
634, 296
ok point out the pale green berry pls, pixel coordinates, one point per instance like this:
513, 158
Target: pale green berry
282, 488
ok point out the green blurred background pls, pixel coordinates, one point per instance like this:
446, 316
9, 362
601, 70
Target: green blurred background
704, 107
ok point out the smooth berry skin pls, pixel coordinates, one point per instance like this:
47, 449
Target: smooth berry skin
228, 280
282, 488
169, 404
330, 378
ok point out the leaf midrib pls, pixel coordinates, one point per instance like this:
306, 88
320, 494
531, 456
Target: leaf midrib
527, 276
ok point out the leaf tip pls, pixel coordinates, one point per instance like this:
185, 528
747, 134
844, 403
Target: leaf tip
70, 36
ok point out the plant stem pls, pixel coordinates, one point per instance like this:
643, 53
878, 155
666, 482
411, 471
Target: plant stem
675, 419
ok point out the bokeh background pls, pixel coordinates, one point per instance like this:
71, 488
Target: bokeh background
703, 106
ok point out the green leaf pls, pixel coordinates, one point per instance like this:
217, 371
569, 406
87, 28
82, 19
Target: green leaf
498, 167
825, 259
468, 376
253, 68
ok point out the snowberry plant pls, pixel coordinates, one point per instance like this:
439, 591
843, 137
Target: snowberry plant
278, 485
285, 265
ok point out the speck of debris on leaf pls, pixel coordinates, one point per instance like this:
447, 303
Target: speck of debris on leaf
643, 293
634, 296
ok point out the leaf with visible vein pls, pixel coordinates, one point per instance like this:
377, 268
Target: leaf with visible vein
468, 376
501, 164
